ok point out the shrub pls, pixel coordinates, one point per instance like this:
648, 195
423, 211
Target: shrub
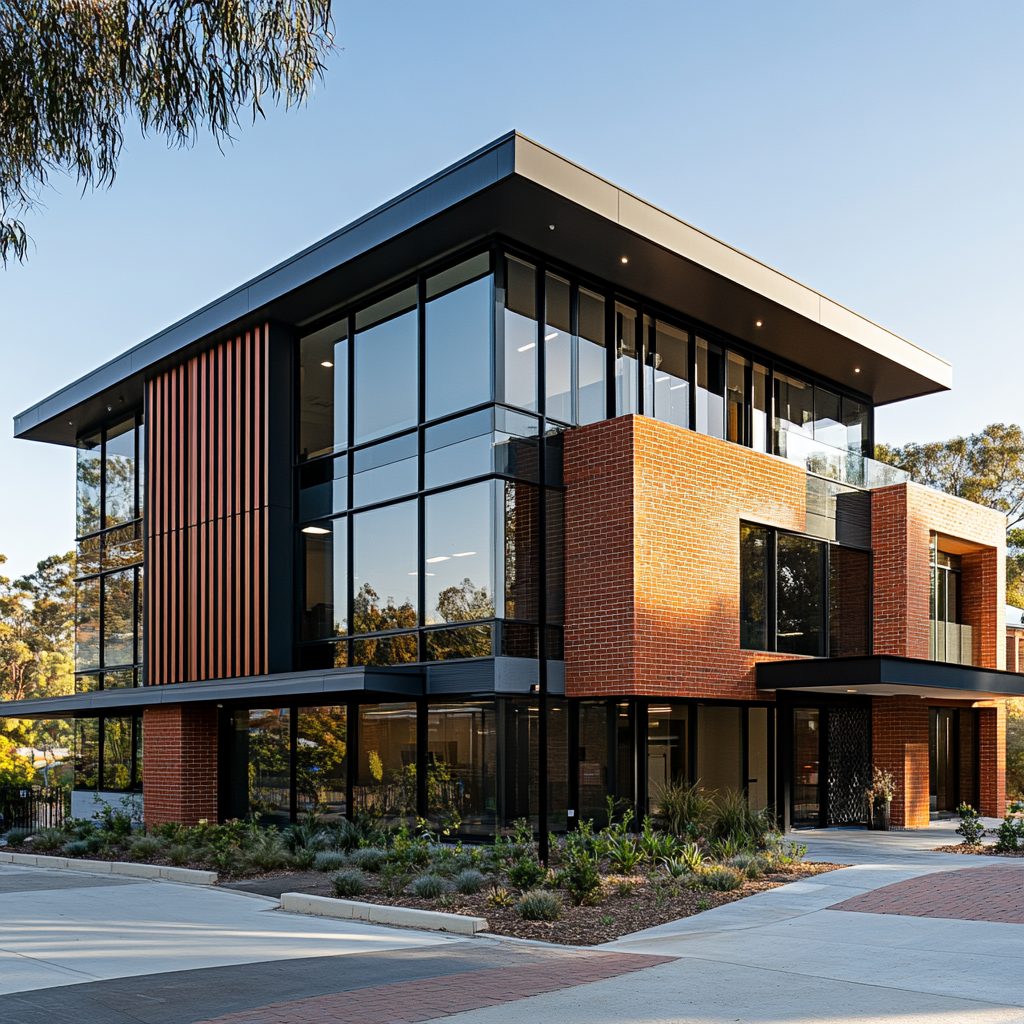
179, 854
97, 843
540, 905
970, 826
330, 860
267, 852
346, 884
692, 857
144, 847
394, 877
722, 879
17, 836
369, 858
77, 848
1010, 834
429, 887
686, 809
525, 873
675, 867
581, 878
469, 881
48, 839
304, 857
625, 888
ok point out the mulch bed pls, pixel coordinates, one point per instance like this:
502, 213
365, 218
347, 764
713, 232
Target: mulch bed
613, 916
986, 850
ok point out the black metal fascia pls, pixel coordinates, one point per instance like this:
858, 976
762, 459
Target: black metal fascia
886, 670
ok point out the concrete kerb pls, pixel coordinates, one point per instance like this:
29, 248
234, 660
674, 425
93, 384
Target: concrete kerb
374, 913
106, 867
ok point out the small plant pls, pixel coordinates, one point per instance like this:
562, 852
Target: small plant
676, 867
145, 847
703, 904
48, 839
369, 858
692, 857
625, 888
882, 788
722, 879
540, 905
726, 848
797, 852
500, 897
623, 854
267, 852
348, 884
1010, 834
970, 827
468, 882
686, 810
97, 843
77, 848
179, 854
607, 919
330, 860
394, 878
449, 901
304, 857
526, 873
17, 836
429, 887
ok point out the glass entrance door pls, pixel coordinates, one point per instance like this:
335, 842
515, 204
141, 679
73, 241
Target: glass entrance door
806, 811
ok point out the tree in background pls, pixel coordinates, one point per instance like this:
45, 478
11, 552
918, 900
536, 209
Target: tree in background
37, 615
72, 72
1015, 748
987, 468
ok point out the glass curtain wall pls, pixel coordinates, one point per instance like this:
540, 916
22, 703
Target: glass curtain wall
109, 557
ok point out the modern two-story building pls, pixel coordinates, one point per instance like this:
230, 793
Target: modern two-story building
515, 494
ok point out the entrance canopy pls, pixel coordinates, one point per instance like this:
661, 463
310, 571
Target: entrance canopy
885, 675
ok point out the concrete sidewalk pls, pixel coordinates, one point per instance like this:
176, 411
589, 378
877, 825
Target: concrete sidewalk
61, 927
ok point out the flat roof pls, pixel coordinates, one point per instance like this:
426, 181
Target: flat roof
518, 189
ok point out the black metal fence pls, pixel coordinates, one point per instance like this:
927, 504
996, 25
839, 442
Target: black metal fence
32, 807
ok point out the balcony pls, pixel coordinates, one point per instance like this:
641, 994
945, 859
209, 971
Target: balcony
951, 642
838, 464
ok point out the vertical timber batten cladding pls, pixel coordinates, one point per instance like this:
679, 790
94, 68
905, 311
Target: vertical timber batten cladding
210, 512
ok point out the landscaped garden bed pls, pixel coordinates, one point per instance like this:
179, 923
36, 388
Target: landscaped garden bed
1009, 836
596, 885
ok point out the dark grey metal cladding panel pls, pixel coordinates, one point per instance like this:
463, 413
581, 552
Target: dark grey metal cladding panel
197, 325
515, 675
853, 518
461, 677
772, 675
556, 678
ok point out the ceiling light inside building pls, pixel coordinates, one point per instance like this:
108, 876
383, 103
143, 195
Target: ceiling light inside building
856, 369
551, 337
758, 323
327, 363
314, 529
463, 554
438, 558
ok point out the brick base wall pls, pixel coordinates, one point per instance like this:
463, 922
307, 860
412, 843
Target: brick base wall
899, 743
179, 758
992, 760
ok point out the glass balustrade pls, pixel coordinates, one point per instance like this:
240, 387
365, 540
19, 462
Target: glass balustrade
837, 464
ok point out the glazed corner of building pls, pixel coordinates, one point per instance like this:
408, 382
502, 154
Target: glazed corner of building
668, 507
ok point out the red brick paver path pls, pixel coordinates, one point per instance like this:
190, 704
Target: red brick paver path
429, 998
991, 893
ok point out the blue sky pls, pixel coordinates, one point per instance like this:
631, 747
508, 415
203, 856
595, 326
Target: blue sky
870, 150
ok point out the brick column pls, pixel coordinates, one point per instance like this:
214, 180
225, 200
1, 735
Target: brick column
899, 743
992, 760
179, 757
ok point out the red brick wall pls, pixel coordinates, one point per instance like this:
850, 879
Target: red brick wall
899, 744
992, 759
179, 759
903, 519
653, 514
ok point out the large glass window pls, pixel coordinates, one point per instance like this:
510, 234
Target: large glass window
325, 587
667, 749
520, 517
88, 484
386, 470
856, 420
458, 337
737, 408
269, 763
626, 361
671, 361
755, 562
759, 436
459, 449
719, 748
386, 367
463, 767
323, 390
590, 357
520, 358
323, 488
87, 625
119, 474
108, 753
119, 618
593, 761
558, 346
710, 388
800, 596
828, 424
87, 753
117, 753
458, 557
385, 784
385, 571
320, 761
